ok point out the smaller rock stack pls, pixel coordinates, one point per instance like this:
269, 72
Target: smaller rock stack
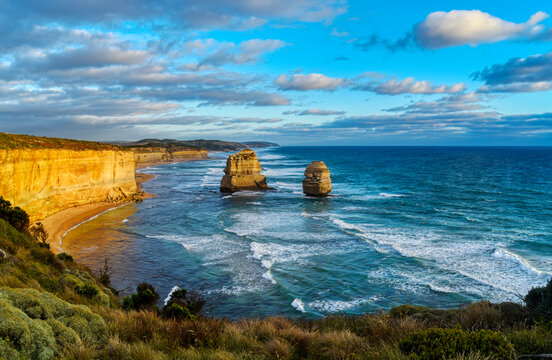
243, 172
317, 180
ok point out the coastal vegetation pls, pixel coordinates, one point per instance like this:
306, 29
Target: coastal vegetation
52, 307
13, 141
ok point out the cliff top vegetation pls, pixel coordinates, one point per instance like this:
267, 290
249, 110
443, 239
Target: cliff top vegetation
13, 141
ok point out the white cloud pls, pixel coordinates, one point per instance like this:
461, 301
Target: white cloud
411, 86
318, 112
461, 27
517, 87
304, 82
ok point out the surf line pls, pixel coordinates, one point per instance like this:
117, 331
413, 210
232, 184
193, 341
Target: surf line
60, 237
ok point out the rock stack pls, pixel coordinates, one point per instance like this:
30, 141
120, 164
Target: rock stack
317, 180
243, 172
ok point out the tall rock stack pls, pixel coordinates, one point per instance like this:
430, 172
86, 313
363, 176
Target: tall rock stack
243, 172
317, 180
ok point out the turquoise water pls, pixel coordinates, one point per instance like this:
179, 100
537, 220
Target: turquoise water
430, 226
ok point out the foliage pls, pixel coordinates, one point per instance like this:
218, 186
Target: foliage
39, 233
64, 256
104, 273
12, 141
15, 216
37, 324
539, 300
437, 344
145, 298
88, 290
184, 304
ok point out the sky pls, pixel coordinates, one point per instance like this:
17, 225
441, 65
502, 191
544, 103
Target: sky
294, 72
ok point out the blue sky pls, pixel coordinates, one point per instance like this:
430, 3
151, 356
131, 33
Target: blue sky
300, 72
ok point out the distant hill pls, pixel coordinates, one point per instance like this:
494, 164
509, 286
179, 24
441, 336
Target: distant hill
210, 145
260, 144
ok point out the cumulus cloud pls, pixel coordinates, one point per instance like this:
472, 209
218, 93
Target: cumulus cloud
534, 68
247, 52
409, 86
305, 82
183, 14
461, 27
530, 74
318, 112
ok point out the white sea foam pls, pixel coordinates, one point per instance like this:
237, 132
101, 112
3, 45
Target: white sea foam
336, 306
298, 305
477, 260
470, 219
227, 197
388, 195
168, 298
520, 260
254, 203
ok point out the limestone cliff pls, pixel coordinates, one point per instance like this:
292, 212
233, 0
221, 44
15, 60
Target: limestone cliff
317, 180
44, 175
243, 172
155, 154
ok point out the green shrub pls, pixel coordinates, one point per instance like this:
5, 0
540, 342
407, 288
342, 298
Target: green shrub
145, 298
87, 290
83, 284
539, 300
177, 311
64, 256
15, 216
537, 340
184, 304
438, 344
36, 325
39, 233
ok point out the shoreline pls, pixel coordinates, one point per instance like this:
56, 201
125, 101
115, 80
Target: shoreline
60, 223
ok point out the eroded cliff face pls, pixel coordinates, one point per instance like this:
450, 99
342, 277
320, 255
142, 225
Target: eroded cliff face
45, 181
243, 172
317, 180
160, 154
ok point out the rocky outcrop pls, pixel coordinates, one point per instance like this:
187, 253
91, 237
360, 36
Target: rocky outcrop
43, 181
317, 180
145, 155
243, 172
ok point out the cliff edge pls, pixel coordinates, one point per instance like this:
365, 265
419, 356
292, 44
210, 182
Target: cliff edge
47, 175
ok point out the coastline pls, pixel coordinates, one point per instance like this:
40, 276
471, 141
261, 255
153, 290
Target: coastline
63, 221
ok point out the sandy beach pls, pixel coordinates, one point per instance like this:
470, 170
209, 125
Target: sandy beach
59, 223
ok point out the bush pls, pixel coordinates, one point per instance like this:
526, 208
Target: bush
145, 298
184, 304
87, 290
64, 256
15, 216
539, 300
438, 344
36, 325
39, 233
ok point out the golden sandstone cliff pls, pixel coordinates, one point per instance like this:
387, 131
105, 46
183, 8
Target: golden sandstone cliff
317, 180
45, 175
154, 154
243, 172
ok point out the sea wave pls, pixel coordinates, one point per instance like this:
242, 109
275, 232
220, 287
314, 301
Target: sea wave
388, 195
336, 306
168, 298
298, 305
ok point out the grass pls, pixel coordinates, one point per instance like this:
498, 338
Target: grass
13, 141
56, 308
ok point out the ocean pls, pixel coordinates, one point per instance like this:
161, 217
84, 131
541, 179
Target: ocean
433, 226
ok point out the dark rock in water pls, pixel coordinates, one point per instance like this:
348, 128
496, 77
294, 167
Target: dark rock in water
317, 180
